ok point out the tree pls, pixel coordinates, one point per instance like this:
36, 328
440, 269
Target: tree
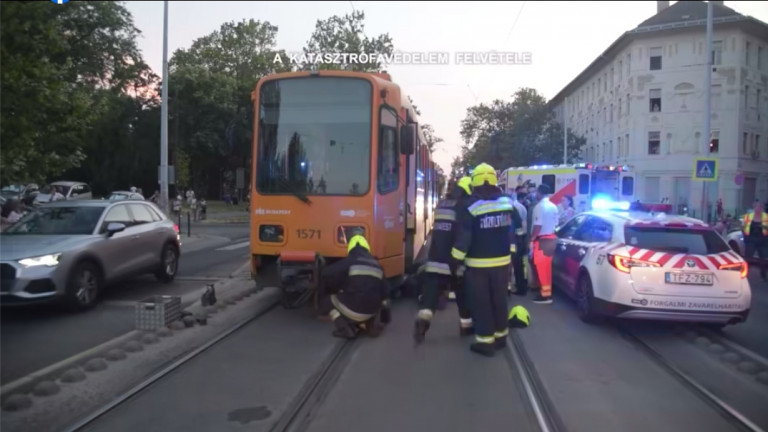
430, 137
53, 62
210, 88
517, 133
345, 35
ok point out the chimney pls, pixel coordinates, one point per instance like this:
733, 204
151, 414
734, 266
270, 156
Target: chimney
661, 5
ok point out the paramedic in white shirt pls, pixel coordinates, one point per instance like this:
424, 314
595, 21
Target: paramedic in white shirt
543, 241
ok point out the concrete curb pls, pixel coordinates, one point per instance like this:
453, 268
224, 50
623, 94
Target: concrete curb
27, 383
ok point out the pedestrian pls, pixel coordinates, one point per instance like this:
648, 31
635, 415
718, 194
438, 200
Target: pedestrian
756, 236
484, 246
545, 219
520, 252
357, 292
436, 275
531, 201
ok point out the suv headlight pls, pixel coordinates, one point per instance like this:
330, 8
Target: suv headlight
45, 260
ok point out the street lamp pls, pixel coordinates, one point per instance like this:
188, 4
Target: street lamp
164, 117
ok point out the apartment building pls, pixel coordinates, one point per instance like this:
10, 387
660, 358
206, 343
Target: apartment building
642, 103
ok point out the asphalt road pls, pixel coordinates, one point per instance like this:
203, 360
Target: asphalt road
36, 337
753, 334
595, 379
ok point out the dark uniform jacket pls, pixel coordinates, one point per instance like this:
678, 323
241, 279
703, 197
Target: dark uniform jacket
358, 281
488, 227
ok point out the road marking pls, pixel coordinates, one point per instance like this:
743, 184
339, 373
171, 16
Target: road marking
235, 246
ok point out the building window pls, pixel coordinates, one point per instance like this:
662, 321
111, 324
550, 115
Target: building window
716, 93
629, 64
599, 87
747, 49
714, 141
620, 148
744, 142
610, 150
610, 117
717, 53
654, 143
605, 81
621, 102
626, 145
746, 97
655, 100
757, 145
628, 100
621, 70
760, 58
757, 104
656, 58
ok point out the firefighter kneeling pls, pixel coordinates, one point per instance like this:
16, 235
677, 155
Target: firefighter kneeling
358, 292
485, 246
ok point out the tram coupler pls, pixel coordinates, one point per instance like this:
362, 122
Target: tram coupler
299, 273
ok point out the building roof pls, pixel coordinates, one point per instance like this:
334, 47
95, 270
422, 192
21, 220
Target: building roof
679, 16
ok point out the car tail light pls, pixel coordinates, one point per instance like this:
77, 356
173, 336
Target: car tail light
740, 267
176, 228
625, 264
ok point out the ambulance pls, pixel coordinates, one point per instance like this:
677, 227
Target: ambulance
584, 182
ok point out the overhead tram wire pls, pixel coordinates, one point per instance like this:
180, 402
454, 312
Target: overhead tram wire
514, 23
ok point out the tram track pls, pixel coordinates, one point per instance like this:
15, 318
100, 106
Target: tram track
136, 391
727, 411
531, 387
298, 416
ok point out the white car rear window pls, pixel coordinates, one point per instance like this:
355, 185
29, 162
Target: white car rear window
678, 240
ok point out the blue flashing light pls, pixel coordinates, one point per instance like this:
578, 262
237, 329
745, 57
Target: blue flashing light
608, 204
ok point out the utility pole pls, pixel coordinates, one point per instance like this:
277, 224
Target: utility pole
707, 111
164, 117
565, 132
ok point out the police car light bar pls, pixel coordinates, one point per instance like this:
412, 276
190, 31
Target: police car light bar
607, 204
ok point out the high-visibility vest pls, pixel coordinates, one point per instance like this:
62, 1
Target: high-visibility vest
748, 223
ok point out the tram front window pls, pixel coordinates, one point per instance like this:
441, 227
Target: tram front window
314, 136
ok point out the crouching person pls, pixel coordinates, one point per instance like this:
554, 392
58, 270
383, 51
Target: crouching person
358, 292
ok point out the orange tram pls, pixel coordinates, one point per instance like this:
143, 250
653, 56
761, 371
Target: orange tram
336, 152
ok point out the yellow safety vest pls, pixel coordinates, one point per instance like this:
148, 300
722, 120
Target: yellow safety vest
748, 223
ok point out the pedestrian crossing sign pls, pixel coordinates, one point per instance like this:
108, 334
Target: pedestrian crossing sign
705, 169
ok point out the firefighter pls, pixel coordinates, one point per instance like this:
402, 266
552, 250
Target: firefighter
756, 236
436, 275
358, 291
543, 242
484, 245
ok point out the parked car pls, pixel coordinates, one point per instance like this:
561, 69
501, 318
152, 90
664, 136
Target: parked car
25, 194
70, 250
121, 195
70, 190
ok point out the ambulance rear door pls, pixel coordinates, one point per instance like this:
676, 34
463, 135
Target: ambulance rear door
627, 186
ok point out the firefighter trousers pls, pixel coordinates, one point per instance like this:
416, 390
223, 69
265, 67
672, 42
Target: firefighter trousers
340, 306
433, 284
487, 292
518, 268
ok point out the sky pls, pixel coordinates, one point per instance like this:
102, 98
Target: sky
563, 38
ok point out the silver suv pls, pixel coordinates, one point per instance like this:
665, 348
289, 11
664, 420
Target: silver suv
71, 250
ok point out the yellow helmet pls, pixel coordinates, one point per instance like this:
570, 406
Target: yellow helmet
465, 183
519, 317
358, 240
484, 173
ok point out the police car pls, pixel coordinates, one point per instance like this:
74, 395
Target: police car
649, 266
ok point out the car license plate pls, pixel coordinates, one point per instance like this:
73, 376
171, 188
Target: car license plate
689, 278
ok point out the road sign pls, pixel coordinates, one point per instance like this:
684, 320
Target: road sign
705, 169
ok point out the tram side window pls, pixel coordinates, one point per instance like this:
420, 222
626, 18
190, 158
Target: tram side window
628, 186
583, 184
549, 180
389, 172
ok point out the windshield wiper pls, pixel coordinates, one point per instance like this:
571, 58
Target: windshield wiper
302, 197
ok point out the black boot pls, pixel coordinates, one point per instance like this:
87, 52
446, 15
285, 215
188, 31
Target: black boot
466, 331
485, 349
420, 328
500, 343
343, 329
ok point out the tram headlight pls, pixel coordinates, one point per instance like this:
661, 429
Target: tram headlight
345, 232
271, 233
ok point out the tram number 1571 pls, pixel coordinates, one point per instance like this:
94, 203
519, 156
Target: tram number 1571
308, 234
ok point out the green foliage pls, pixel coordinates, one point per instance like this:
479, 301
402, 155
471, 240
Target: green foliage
55, 64
210, 97
346, 35
518, 133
